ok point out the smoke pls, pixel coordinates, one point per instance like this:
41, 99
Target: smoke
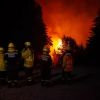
69, 17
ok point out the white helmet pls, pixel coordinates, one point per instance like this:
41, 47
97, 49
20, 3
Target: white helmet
27, 43
11, 45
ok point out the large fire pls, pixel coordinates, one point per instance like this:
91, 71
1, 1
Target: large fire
69, 17
56, 49
72, 18
57, 46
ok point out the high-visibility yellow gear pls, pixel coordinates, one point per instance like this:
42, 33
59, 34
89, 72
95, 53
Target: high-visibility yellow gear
28, 57
1, 49
2, 61
67, 62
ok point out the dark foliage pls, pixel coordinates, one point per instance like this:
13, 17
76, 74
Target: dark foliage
21, 20
93, 46
78, 50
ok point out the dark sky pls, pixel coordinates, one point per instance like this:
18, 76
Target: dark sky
70, 17
15, 13
16, 20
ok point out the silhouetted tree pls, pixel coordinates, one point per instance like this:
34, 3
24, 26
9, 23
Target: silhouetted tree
79, 55
93, 46
73, 43
22, 21
40, 38
78, 50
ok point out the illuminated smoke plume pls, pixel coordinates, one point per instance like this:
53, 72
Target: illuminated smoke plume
69, 17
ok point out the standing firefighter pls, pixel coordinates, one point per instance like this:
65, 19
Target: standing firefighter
28, 58
12, 59
67, 62
46, 63
2, 64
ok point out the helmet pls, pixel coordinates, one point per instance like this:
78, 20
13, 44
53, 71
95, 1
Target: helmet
11, 45
46, 49
27, 43
1, 49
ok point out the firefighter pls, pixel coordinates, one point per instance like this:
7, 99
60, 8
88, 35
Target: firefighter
12, 59
2, 64
28, 59
46, 63
67, 62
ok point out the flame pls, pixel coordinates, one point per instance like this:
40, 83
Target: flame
57, 44
70, 18
56, 49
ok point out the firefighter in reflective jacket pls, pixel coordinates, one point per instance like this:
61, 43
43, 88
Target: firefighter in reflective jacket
67, 63
28, 58
12, 59
45, 63
2, 64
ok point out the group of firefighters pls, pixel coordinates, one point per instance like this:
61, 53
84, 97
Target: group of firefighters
12, 59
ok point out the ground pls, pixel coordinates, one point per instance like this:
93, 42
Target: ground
85, 86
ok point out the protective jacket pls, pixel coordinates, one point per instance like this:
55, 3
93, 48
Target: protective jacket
28, 57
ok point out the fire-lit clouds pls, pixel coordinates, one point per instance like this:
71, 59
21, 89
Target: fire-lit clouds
69, 17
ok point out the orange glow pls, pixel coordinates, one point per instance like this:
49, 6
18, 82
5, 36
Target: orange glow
69, 17
73, 18
57, 45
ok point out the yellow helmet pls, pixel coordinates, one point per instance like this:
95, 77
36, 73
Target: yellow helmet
1, 49
11, 45
27, 43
